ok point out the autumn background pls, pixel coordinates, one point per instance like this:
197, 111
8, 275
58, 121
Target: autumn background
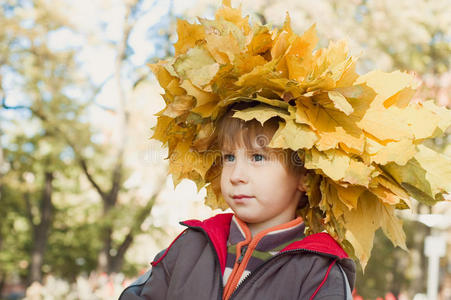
85, 202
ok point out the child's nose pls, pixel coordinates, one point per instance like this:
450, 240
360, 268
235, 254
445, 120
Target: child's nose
238, 174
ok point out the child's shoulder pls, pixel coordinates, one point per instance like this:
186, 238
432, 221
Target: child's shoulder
198, 234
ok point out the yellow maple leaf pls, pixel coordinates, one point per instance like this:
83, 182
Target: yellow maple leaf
331, 62
294, 136
261, 41
437, 167
188, 36
386, 84
361, 224
340, 102
222, 48
392, 226
259, 76
332, 126
443, 114
205, 110
349, 75
385, 195
394, 187
223, 27
174, 89
244, 63
299, 56
180, 105
160, 130
349, 195
382, 154
394, 123
358, 172
333, 163
197, 65
214, 197
425, 177
261, 113
161, 73
203, 138
202, 97
233, 15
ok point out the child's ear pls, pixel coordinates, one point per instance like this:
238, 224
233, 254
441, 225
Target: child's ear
301, 183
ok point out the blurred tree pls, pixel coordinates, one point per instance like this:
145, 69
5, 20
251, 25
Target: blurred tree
48, 142
120, 208
36, 77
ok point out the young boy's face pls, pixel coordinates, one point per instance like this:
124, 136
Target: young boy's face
259, 188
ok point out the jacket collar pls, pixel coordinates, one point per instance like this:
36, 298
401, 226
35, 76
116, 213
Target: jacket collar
217, 229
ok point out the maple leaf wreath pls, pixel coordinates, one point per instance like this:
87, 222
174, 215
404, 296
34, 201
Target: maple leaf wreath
359, 135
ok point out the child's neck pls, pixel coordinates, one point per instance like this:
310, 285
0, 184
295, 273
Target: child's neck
256, 228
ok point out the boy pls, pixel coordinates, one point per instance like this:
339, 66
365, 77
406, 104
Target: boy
346, 129
260, 251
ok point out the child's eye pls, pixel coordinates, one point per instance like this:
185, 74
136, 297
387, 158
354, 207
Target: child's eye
228, 157
258, 157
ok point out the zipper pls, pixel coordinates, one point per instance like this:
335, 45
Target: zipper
221, 284
272, 259
243, 252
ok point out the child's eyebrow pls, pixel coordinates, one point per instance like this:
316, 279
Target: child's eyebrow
226, 149
260, 149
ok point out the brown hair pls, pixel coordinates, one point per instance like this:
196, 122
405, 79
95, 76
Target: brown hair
231, 132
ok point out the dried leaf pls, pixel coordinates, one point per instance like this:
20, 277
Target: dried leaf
160, 130
333, 163
391, 152
197, 65
179, 106
386, 84
361, 224
261, 113
349, 195
394, 123
340, 102
358, 173
437, 167
443, 114
332, 126
188, 36
201, 96
392, 227
299, 58
294, 136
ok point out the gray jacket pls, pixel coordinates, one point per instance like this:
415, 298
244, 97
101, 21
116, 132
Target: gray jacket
192, 267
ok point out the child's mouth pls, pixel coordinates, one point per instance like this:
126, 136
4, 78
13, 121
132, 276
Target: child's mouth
241, 196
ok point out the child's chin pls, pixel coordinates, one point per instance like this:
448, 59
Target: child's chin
247, 218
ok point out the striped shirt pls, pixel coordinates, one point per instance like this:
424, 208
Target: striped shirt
263, 246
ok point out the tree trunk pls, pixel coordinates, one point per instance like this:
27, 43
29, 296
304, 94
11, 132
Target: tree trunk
116, 262
2, 282
109, 201
104, 259
41, 231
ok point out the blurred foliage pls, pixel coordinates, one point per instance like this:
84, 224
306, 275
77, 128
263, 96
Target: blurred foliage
60, 188
37, 156
393, 269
